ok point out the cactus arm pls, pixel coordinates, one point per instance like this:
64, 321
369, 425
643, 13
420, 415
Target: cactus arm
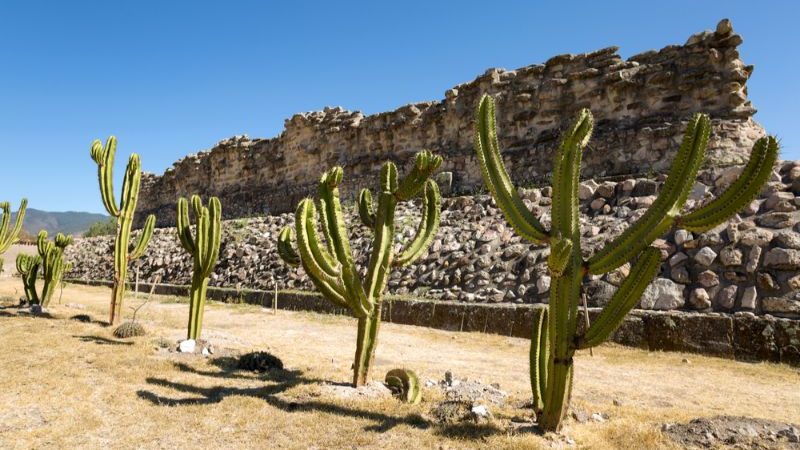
5, 221
566, 174
428, 225
7, 239
331, 287
740, 193
497, 179
285, 249
144, 238
215, 235
130, 187
625, 299
425, 164
538, 357
381, 258
104, 157
43, 246
329, 199
661, 215
63, 241
184, 226
366, 211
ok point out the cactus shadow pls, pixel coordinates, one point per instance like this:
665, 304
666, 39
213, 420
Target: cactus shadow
99, 340
283, 380
85, 318
229, 368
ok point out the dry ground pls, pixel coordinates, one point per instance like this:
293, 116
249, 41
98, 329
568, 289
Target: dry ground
69, 384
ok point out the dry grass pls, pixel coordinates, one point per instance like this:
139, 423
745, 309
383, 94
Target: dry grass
68, 384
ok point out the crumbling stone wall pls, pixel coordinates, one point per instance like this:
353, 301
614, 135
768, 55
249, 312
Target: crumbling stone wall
640, 104
750, 265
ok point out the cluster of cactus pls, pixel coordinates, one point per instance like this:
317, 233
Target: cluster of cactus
103, 155
204, 248
555, 336
50, 259
9, 236
330, 264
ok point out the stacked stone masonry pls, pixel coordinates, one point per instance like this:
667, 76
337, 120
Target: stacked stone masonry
749, 265
641, 107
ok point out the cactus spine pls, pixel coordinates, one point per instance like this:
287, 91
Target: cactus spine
330, 264
204, 248
555, 338
50, 259
103, 155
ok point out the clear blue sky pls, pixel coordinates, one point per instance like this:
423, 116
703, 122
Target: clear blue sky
174, 77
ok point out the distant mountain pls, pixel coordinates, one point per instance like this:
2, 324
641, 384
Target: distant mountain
70, 222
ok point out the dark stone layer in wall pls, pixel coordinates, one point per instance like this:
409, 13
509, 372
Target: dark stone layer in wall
641, 106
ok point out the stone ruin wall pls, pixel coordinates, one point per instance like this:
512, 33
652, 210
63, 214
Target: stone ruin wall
641, 106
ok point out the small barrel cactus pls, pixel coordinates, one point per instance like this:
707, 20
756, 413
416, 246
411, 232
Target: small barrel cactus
404, 384
129, 330
260, 362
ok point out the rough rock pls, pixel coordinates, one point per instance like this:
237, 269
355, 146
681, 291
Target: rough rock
663, 294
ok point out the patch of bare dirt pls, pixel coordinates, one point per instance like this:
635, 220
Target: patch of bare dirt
734, 432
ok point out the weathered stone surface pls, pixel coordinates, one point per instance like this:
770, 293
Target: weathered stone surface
750, 298
662, 294
776, 220
781, 306
753, 259
705, 256
730, 256
784, 259
756, 236
726, 298
707, 278
699, 299
641, 106
787, 239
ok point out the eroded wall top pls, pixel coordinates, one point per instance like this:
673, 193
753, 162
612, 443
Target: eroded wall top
640, 104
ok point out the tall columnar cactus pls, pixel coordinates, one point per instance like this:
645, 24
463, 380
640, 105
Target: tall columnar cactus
51, 261
104, 157
330, 265
555, 335
9, 236
204, 248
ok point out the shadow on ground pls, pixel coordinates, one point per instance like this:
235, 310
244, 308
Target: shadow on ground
282, 381
99, 340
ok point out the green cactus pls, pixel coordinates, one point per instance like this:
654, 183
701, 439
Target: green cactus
555, 338
9, 237
50, 259
123, 255
330, 265
404, 384
204, 248
28, 267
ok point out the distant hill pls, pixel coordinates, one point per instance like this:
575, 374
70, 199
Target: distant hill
69, 222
